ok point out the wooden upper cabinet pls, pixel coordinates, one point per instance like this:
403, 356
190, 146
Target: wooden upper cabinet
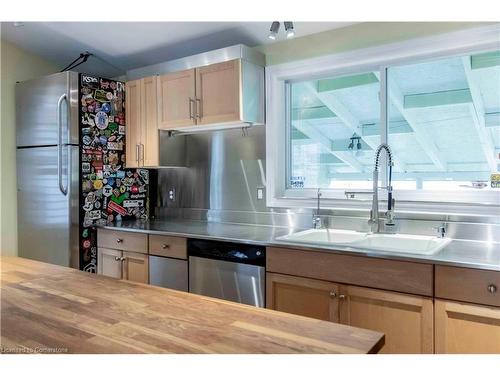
463, 328
406, 320
136, 267
218, 89
109, 263
149, 125
176, 99
300, 296
133, 123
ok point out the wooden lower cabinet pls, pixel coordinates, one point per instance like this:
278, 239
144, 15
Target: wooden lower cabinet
302, 296
109, 263
463, 328
126, 265
406, 320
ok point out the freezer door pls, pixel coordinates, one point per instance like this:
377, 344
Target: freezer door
238, 282
46, 109
168, 273
47, 218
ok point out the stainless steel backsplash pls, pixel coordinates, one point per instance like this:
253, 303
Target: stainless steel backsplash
223, 170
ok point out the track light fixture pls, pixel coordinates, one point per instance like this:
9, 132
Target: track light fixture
275, 26
273, 31
290, 32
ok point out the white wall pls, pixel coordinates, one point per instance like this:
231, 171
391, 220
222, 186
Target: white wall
16, 65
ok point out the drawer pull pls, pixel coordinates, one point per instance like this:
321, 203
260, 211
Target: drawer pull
492, 288
341, 296
119, 240
333, 294
117, 258
165, 246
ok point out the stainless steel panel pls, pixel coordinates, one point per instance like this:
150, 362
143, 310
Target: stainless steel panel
225, 168
47, 230
252, 92
168, 273
74, 105
172, 150
37, 111
238, 51
74, 205
236, 282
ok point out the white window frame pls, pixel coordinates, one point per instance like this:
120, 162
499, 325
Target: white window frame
375, 59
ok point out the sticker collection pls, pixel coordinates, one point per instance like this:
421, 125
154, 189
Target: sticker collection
108, 191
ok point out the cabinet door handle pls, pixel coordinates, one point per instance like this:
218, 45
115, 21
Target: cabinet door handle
191, 103
198, 108
119, 240
117, 258
137, 153
165, 246
492, 288
342, 296
333, 294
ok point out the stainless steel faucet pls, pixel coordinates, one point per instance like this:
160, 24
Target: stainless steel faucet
317, 223
374, 212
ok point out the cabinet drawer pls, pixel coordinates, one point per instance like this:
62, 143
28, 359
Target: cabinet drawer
399, 276
469, 285
167, 246
114, 239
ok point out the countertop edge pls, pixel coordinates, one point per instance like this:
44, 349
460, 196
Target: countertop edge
307, 247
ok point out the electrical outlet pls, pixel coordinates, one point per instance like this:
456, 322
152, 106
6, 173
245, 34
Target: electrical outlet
171, 194
260, 193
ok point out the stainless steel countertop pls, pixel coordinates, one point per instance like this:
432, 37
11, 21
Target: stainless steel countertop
460, 253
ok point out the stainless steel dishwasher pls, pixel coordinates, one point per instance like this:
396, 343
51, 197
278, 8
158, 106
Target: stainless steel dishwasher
168, 273
234, 272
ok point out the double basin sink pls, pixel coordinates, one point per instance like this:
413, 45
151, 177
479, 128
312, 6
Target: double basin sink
400, 243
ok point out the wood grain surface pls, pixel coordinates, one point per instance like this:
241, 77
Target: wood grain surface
388, 274
47, 308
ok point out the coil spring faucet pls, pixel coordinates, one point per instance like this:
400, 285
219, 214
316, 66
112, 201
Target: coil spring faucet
374, 213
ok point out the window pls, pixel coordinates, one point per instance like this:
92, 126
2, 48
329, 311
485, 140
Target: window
444, 123
333, 130
436, 102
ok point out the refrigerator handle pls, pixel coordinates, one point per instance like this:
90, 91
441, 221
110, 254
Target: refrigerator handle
63, 189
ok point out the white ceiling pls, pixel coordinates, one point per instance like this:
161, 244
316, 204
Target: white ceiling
128, 45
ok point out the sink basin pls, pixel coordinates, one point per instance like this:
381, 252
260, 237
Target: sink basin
326, 236
403, 243
400, 243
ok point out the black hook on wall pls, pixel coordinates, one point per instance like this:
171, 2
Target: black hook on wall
83, 57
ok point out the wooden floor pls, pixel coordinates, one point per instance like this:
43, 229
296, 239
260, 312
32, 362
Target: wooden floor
48, 308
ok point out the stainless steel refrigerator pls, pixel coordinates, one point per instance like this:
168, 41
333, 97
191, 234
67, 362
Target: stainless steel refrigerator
47, 122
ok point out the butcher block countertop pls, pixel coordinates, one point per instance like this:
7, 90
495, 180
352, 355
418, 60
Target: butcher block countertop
52, 309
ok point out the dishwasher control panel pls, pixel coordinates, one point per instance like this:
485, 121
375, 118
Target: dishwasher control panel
228, 251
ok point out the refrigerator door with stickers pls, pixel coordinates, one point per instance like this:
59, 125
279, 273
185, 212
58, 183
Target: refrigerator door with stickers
109, 192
